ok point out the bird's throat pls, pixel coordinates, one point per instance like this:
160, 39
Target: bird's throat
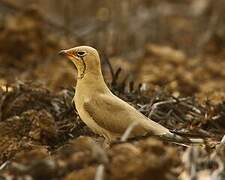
82, 70
91, 81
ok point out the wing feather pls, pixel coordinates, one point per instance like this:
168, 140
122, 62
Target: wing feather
115, 115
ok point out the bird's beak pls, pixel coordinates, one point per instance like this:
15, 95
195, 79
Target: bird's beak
62, 52
67, 53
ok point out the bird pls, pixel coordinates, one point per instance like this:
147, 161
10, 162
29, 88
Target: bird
102, 111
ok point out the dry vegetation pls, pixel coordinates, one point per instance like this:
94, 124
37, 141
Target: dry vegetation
165, 58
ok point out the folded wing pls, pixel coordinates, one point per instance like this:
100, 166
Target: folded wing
115, 115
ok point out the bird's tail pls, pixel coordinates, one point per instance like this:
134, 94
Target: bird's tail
181, 139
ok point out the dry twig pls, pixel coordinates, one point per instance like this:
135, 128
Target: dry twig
126, 134
100, 172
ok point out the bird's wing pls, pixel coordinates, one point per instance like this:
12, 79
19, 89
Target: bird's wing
115, 115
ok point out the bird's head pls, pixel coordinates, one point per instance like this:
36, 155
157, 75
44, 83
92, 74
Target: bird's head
85, 58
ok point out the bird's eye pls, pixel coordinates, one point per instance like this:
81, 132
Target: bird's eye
81, 53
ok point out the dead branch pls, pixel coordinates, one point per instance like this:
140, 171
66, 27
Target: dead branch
100, 172
126, 134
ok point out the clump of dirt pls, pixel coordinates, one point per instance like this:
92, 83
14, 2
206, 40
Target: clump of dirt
23, 42
80, 158
182, 75
28, 54
31, 114
140, 161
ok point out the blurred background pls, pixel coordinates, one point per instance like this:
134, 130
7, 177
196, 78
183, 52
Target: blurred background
177, 45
